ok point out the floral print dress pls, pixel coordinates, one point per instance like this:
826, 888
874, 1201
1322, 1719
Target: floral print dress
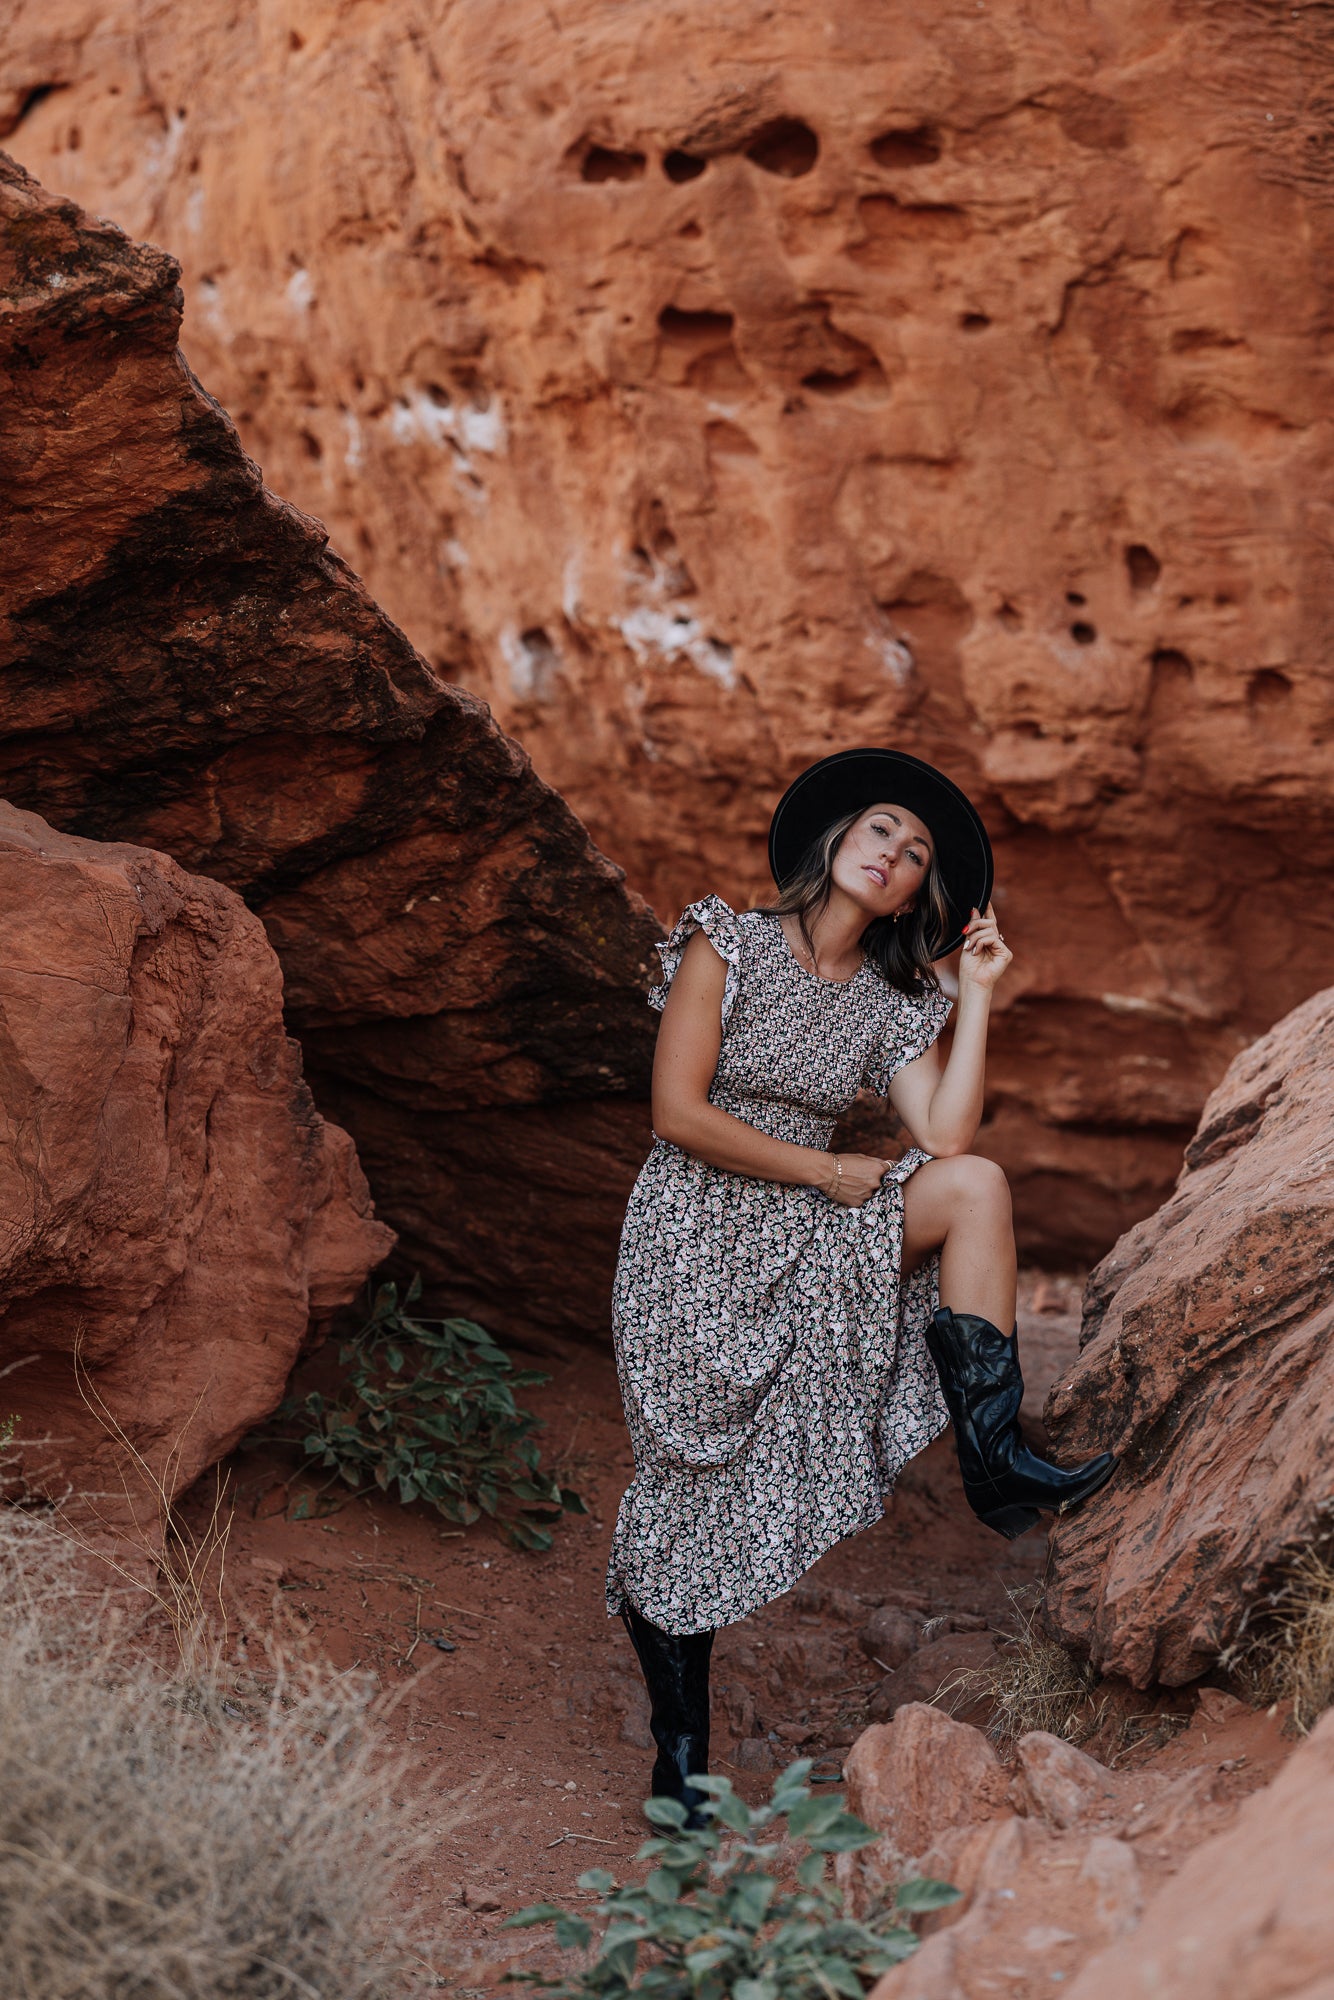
773, 1366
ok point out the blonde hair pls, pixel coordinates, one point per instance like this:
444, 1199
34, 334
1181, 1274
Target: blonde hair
901, 948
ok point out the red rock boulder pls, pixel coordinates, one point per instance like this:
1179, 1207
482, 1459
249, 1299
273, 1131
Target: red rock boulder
184, 663
1060, 1862
708, 397
1208, 1366
1251, 1914
175, 1211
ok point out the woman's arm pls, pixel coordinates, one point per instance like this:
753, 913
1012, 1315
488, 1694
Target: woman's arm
941, 1103
683, 1070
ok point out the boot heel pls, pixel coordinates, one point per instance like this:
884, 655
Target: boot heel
1009, 1521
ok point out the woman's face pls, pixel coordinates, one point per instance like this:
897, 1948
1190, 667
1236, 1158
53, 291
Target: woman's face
882, 860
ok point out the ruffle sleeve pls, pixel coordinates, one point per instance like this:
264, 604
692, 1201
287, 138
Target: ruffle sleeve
719, 925
915, 1022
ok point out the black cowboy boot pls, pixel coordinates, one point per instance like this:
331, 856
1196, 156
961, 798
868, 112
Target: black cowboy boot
1004, 1482
676, 1671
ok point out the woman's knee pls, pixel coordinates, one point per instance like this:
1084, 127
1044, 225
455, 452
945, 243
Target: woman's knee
977, 1183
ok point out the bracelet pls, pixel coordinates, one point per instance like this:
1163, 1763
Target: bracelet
832, 1190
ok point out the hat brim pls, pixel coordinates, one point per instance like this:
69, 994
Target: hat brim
852, 780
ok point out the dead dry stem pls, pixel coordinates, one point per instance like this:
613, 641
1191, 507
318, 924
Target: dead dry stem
1292, 1659
1033, 1684
144, 1541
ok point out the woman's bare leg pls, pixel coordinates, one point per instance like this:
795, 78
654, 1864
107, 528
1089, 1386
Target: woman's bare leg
961, 1208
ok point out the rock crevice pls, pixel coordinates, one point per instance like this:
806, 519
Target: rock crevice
184, 663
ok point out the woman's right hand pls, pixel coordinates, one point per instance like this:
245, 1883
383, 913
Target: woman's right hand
860, 1179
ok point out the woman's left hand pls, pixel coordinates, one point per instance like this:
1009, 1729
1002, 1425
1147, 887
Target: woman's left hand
985, 953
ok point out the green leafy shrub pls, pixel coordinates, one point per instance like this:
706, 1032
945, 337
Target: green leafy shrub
426, 1409
713, 1921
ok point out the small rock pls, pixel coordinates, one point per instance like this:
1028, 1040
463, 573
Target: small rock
809, 1660
755, 1754
889, 1635
629, 1696
827, 1601
794, 1732
931, 1669
1216, 1706
484, 1901
738, 1705
922, 1774
966, 1621
1057, 1782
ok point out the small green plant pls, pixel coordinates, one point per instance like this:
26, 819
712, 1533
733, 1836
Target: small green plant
426, 1409
714, 1922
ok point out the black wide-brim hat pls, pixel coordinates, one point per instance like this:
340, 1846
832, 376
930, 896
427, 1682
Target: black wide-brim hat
853, 780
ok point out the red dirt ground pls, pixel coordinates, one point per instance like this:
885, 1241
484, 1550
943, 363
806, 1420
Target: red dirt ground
530, 1739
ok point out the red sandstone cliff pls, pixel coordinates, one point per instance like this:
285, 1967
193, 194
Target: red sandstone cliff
705, 389
186, 665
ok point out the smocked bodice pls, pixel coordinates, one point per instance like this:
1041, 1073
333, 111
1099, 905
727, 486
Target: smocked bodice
797, 1049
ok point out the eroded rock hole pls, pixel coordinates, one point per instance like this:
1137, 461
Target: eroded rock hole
932, 613
536, 642
729, 441
975, 322
534, 664
836, 362
295, 42
1142, 567
1268, 688
784, 146
682, 166
1009, 617
825, 382
1083, 633
311, 445
1075, 597
29, 103
657, 545
1171, 668
1199, 339
607, 163
693, 328
915, 147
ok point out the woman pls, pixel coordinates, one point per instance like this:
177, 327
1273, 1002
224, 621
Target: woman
792, 1325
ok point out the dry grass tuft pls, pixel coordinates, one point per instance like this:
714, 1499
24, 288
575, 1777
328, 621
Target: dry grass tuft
1293, 1659
165, 1840
1032, 1684
143, 1540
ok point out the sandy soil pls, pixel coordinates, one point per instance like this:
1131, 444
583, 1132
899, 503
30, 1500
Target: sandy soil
528, 1736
